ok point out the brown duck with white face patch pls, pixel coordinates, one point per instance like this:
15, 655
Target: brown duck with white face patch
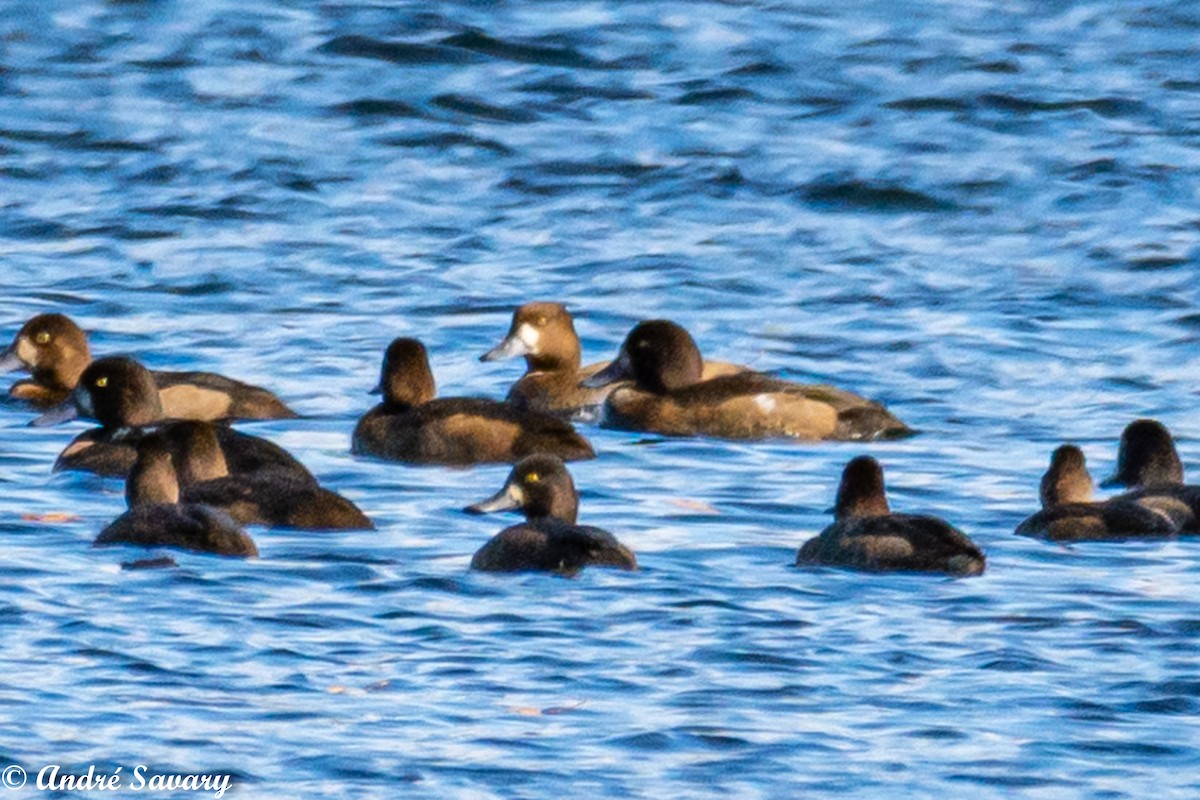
670, 396
544, 334
55, 351
549, 540
413, 426
1069, 513
866, 535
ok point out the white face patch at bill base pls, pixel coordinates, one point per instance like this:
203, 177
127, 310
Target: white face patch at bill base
766, 402
529, 336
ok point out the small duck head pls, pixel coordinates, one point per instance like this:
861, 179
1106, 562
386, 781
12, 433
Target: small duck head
1146, 457
540, 486
861, 492
544, 334
658, 355
405, 379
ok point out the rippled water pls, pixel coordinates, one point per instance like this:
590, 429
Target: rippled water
984, 214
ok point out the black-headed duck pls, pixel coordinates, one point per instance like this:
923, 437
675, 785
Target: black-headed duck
55, 350
1069, 513
866, 534
670, 397
1149, 465
410, 425
121, 395
544, 334
548, 540
157, 518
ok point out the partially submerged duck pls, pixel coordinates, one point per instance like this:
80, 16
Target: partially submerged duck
544, 335
157, 518
549, 540
121, 395
413, 426
1069, 513
866, 535
55, 351
670, 396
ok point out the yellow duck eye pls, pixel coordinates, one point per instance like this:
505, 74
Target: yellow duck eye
541, 321
42, 337
101, 382
532, 477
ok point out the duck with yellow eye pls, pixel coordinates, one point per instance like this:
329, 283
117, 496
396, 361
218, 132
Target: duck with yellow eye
548, 540
55, 351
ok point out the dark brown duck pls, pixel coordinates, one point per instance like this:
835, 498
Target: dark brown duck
55, 351
549, 540
866, 535
669, 396
410, 425
121, 395
1149, 464
1069, 513
157, 518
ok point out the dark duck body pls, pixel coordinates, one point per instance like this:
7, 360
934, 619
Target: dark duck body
55, 351
410, 425
1069, 514
157, 518
1149, 465
544, 334
866, 535
549, 540
121, 395
670, 396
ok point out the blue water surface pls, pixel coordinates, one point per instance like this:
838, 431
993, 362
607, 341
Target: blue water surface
984, 214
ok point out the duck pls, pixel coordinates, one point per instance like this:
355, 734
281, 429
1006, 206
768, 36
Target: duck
55, 350
268, 496
413, 426
1069, 513
1149, 466
549, 540
866, 535
544, 334
669, 396
120, 394
157, 518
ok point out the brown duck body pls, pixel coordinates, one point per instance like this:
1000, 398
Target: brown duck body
278, 499
186, 526
549, 540
544, 334
670, 396
56, 352
413, 426
1069, 514
156, 517
866, 535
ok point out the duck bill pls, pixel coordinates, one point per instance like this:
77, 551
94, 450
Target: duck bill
618, 370
63, 412
377, 390
511, 347
1114, 481
507, 499
10, 361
